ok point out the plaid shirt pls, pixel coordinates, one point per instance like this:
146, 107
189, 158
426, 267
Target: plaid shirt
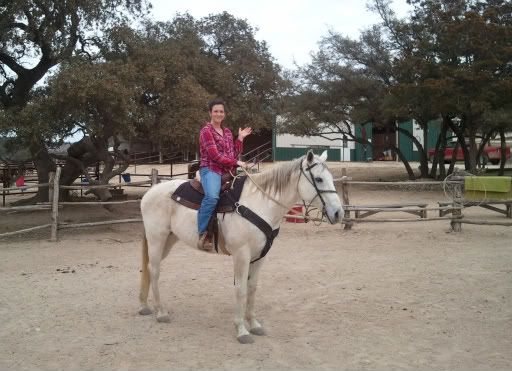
218, 152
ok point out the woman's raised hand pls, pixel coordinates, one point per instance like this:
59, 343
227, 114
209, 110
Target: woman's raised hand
242, 133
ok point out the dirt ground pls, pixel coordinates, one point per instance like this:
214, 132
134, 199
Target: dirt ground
380, 296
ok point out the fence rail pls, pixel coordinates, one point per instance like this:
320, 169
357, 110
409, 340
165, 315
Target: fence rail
362, 211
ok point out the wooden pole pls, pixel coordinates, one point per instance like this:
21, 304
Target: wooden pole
26, 208
25, 230
457, 212
154, 177
344, 196
55, 205
51, 177
93, 203
107, 222
485, 222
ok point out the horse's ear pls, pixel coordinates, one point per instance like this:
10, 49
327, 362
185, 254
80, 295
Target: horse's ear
323, 156
310, 156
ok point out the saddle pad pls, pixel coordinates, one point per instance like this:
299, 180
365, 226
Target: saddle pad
190, 197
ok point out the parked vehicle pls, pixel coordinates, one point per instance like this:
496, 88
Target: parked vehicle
491, 154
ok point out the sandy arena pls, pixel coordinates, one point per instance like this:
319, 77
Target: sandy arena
395, 296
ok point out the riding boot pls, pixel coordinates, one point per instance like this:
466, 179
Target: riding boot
204, 242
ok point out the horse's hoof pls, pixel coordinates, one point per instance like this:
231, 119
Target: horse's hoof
245, 339
259, 331
165, 318
145, 311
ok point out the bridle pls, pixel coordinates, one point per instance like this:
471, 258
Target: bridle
312, 181
318, 190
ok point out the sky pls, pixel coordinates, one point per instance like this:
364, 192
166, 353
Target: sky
291, 28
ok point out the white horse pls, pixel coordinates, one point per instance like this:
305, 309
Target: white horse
269, 194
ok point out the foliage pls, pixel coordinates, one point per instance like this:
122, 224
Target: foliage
111, 81
37, 35
448, 59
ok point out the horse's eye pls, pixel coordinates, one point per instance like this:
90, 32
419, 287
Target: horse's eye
318, 180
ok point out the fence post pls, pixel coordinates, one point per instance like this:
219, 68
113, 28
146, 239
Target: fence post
457, 213
154, 177
51, 177
344, 196
55, 204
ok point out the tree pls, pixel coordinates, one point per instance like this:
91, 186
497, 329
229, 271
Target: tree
347, 82
448, 60
154, 81
99, 99
241, 70
467, 46
35, 36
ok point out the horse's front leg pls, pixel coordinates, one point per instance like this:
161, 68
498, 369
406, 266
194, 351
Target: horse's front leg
254, 326
241, 260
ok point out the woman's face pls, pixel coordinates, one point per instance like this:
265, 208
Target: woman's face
217, 114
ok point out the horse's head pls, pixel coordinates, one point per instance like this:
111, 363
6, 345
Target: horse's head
316, 186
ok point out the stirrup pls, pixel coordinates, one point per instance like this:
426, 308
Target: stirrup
205, 243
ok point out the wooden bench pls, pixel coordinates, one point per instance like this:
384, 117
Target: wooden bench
485, 204
362, 211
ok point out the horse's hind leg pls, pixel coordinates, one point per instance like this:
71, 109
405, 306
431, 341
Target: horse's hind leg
145, 276
254, 326
144, 279
159, 245
157, 252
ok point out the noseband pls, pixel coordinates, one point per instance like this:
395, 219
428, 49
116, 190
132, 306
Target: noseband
318, 191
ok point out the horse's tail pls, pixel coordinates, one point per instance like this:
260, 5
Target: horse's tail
144, 276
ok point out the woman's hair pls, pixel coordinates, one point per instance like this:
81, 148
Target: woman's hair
216, 101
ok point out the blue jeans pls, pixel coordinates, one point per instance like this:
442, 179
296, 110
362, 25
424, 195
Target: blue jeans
211, 183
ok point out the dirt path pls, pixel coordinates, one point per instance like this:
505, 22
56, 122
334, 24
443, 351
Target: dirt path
381, 296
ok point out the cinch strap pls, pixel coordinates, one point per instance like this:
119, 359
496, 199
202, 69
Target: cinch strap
262, 225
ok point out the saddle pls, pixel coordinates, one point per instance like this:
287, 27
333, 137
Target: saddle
191, 193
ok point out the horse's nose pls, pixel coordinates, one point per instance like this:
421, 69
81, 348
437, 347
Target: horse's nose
337, 215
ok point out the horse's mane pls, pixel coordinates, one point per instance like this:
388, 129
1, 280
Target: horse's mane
278, 177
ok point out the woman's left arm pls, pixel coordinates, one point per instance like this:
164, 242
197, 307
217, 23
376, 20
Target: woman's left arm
242, 133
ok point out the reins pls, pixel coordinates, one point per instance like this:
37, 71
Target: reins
311, 181
262, 190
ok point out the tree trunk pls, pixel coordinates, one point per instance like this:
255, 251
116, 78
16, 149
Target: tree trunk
454, 158
481, 159
459, 133
503, 158
472, 152
442, 146
402, 158
44, 165
421, 151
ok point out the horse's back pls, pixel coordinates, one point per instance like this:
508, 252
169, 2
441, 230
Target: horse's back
159, 195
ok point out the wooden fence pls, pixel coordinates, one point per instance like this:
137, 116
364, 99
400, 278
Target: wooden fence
54, 205
455, 208
361, 212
